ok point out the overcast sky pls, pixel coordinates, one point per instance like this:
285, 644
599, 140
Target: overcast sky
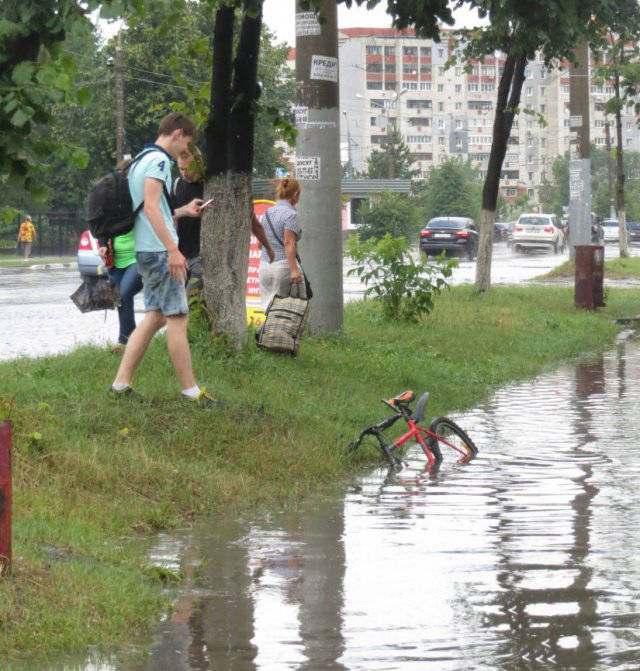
279, 16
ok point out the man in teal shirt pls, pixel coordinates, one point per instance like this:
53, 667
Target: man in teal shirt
160, 264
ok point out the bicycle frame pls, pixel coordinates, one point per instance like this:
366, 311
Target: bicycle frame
415, 431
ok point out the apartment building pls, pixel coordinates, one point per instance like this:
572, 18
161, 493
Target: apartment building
391, 79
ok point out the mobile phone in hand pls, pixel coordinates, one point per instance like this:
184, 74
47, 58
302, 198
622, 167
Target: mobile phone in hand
206, 203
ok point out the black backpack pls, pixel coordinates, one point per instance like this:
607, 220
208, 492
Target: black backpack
110, 209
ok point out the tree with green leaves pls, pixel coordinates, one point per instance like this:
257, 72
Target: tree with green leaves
452, 189
394, 213
622, 68
392, 160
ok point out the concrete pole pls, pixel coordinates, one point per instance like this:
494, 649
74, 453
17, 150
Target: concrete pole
119, 90
579, 157
318, 163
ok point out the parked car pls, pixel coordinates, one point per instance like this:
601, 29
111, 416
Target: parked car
611, 230
634, 232
449, 233
89, 261
538, 231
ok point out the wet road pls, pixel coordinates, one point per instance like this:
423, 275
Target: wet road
528, 558
37, 317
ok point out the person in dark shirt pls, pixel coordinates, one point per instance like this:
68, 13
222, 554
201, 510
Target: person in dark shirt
188, 186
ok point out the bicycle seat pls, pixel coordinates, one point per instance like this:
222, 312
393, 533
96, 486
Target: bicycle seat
401, 399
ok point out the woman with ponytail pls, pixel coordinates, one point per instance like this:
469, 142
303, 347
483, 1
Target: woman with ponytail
283, 231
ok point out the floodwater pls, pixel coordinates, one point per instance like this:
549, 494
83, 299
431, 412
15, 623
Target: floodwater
527, 558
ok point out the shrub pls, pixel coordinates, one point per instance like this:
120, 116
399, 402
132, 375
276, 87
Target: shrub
405, 289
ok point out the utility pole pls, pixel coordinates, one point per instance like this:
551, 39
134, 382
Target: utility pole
119, 90
607, 134
317, 164
579, 155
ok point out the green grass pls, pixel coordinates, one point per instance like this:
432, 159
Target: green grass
91, 473
615, 269
16, 261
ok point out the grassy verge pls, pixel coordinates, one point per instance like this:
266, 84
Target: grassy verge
614, 269
11, 261
89, 473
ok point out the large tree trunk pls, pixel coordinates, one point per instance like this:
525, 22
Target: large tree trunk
511, 80
226, 226
620, 204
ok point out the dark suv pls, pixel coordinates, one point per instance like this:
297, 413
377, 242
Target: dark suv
449, 233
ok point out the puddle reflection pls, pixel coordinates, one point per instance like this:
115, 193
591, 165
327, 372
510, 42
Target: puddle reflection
527, 558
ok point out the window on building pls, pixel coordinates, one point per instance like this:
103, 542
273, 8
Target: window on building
458, 71
472, 88
418, 139
383, 103
419, 121
389, 51
441, 141
529, 90
483, 105
488, 70
373, 121
542, 90
390, 86
410, 69
425, 69
542, 109
458, 123
425, 51
409, 86
410, 51
378, 139
440, 88
373, 49
531, 177
419, 104
441, 52
458, 107
425, 86
440, 107
458, 89
610, 90
374, 67
487, 87
374, 86
628, 142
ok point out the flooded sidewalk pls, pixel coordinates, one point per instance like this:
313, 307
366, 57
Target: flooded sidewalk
527, 558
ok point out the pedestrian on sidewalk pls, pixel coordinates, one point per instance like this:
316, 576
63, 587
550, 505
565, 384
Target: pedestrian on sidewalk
161, 265
26, 236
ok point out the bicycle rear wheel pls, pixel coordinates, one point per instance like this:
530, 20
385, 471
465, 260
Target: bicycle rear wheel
451, 435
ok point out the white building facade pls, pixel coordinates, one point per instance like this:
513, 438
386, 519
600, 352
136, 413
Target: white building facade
391, 79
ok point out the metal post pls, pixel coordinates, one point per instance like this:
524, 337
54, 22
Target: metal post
318, 163
580, 161
5, 498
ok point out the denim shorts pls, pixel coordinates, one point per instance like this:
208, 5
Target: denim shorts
161, 291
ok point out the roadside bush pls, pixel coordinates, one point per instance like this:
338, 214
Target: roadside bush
405, 289
395, 213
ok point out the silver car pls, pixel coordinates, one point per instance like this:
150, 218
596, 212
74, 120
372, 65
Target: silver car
537, 231
89, 261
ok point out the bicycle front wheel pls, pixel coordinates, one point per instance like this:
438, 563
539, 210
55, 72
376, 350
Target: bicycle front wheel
449, 434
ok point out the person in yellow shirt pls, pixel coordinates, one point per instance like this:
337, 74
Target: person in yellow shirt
27, 236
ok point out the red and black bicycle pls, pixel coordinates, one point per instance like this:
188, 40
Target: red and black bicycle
442, 430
